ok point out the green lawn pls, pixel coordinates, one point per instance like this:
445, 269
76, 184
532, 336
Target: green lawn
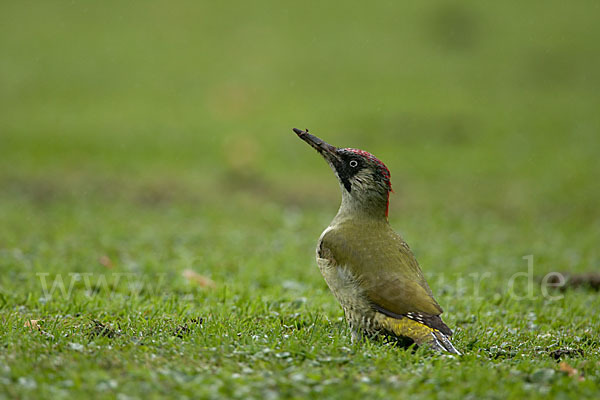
140, 141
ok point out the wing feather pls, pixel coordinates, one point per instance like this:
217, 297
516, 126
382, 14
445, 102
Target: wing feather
386, 267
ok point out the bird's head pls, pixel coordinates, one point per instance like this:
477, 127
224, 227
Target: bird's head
365, 181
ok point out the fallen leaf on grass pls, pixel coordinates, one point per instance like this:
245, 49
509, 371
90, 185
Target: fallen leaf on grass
200, 280
37, 325
570, 371
106, 262
33, 324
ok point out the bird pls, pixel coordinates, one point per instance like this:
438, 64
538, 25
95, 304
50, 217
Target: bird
369, 268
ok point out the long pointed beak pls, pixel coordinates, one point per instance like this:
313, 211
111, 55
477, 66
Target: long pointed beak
328, 151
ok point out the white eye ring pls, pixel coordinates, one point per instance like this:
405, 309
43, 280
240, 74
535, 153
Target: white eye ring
353, 163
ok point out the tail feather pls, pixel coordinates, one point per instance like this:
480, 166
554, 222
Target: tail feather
443, 342
420, 333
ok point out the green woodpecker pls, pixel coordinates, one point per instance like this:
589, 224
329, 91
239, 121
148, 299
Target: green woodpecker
369, 268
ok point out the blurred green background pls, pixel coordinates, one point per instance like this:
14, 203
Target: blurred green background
486, 114
154, 137
481, 103
494, 98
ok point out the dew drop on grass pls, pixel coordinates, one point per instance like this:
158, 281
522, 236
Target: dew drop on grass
76, 346
27, 383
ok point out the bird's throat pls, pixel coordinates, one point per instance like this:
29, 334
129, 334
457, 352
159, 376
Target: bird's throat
366, 205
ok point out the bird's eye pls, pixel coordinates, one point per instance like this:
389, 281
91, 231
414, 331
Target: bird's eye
353, 163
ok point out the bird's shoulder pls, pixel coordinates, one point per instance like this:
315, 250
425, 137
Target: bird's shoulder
375, 245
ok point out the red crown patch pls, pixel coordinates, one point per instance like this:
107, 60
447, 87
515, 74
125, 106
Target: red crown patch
384, 170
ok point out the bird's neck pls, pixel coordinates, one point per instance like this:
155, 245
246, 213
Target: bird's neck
369, 206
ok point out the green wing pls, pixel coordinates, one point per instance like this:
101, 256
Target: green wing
384, 266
